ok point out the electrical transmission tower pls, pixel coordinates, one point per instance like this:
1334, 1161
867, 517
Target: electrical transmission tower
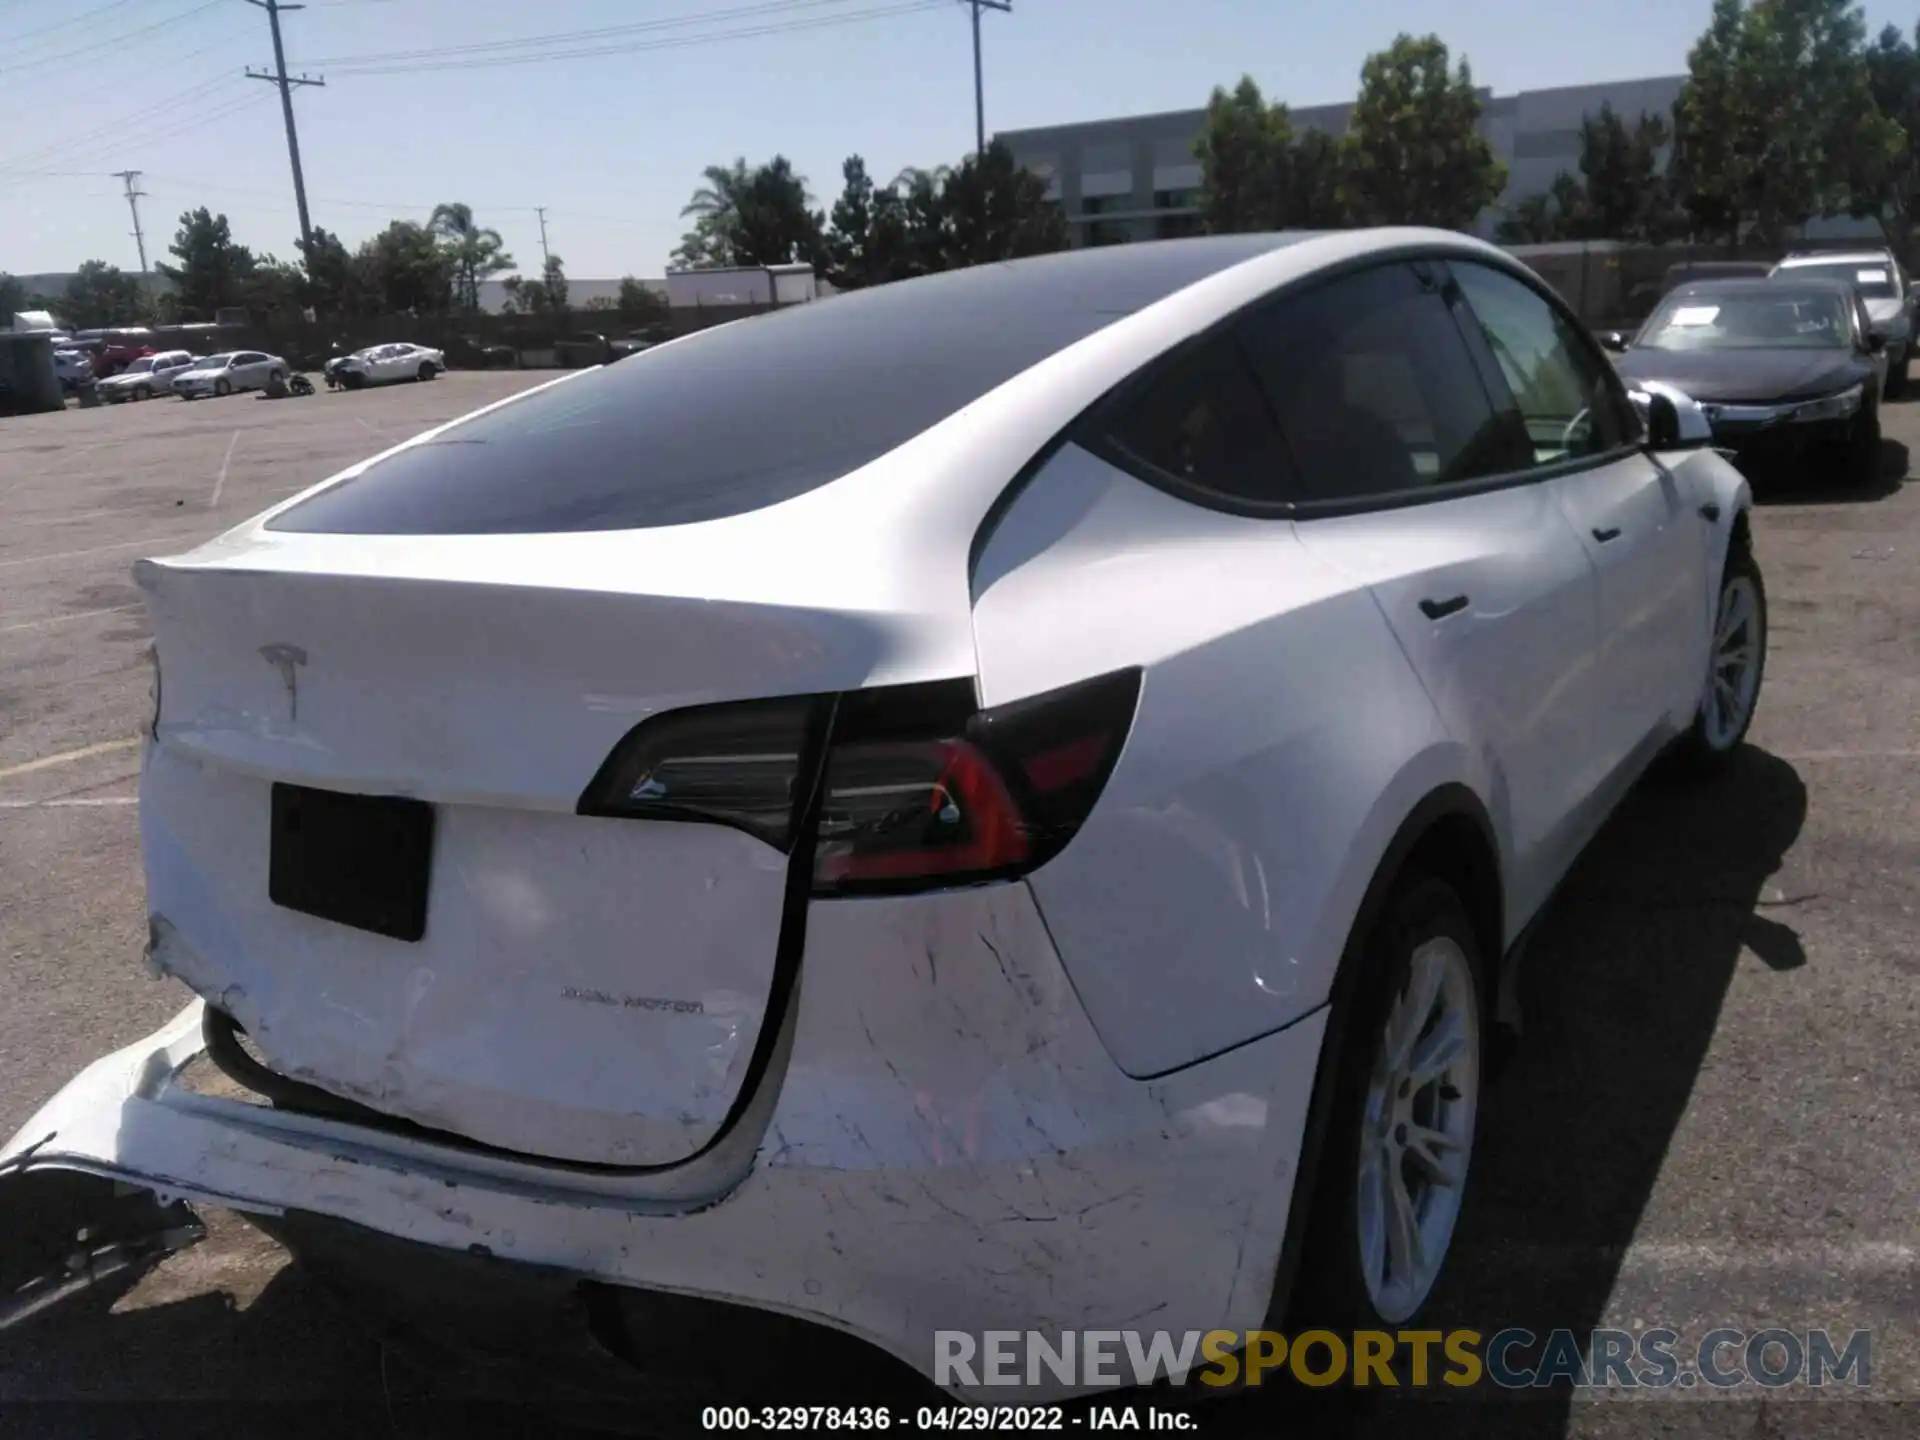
133, 203
286, 84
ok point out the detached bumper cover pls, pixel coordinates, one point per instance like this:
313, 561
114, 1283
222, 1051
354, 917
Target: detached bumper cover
945, 1146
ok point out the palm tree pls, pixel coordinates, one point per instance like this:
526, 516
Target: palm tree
476, 252
718, 201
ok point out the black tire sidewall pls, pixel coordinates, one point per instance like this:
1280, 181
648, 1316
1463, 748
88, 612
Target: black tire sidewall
1330, 1292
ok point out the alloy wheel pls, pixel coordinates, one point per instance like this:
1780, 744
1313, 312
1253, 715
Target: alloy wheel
1417, 1124
1734, 679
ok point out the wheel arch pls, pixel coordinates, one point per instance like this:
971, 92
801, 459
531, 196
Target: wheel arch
1449, 835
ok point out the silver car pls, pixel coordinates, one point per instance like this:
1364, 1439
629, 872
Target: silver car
148, 376
227, 372
1891, 305
385, 364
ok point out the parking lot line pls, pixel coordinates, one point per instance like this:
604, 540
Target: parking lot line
81, 804
225, 460
63, 619
77, 554
65, 757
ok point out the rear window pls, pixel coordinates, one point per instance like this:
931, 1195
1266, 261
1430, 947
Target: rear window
759, 411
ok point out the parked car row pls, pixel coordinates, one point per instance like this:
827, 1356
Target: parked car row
1789, 368
190, 376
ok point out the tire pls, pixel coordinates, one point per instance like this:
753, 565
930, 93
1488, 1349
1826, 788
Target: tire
1897, 377
143, 392
427, 371
275, 377
353, 380
1353, 1274
1863, 447
1716, 732
188, 396
221, 387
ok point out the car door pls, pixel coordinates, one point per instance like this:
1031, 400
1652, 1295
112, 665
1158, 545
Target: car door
1637, 521
1411, 481
386, 363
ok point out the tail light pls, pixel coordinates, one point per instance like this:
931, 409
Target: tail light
920, 789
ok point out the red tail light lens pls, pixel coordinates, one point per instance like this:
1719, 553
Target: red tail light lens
920, 788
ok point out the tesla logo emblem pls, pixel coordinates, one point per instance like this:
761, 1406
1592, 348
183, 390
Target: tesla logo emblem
287, 659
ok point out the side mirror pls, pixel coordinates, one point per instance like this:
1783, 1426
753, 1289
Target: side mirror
1613, 340
1876, 342
1674, 420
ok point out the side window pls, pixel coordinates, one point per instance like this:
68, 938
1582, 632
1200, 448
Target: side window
1201, 419
1558, 381
1375, 389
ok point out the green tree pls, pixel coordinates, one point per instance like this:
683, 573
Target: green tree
1776, 122
1623, 182
639, 304
997, 209
750, 215
1415, 155
337, 285
13, 297
100, 295
212, 268
1257, 173
275, 289
1243, 152
865, 240
1887, 185
406, 271
553, 280
476, 252
1534, 220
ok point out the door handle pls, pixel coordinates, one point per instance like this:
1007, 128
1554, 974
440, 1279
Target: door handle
1440, 609
1710, 511
1603, 536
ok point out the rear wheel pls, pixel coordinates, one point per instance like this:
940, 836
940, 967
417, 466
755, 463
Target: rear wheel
1401, 1125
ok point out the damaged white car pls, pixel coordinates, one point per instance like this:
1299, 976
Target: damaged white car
994, 802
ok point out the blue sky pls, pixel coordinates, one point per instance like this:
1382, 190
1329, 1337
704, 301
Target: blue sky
612, 144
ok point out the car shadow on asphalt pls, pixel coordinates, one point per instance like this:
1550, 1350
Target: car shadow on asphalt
1804, 488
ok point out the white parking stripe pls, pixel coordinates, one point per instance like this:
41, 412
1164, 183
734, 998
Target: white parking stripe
63, 619
89, 804
225, 460
65, 757
80, 554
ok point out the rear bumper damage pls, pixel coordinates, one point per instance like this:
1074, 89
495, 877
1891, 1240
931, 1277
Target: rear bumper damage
941, 1144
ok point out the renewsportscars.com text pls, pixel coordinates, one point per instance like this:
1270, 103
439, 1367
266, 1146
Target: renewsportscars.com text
1513, 1358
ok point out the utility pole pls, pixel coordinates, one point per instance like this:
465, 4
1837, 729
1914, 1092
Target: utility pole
979, 85
133, 204
545, 256
286, 84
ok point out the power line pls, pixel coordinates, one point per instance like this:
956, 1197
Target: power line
111, 134
13, 40
273, 9
577, 37
133, 204
671, 43
125, 37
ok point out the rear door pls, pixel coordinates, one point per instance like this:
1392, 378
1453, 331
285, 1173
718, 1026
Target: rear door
1634, 517
1412, 481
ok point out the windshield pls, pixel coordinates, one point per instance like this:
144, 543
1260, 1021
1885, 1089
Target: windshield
139, 367
1875, 281
1753, 320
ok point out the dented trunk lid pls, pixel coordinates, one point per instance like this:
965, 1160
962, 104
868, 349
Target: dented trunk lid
586, 989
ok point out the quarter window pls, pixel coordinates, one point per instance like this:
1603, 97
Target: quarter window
1558, 386
1375, 390
1201, 419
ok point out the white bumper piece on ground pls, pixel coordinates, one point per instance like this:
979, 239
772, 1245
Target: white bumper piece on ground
941, 1144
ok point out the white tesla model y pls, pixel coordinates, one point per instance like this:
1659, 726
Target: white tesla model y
998, 801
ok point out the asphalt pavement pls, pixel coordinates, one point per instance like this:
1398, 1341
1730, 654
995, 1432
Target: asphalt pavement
1713, 1119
